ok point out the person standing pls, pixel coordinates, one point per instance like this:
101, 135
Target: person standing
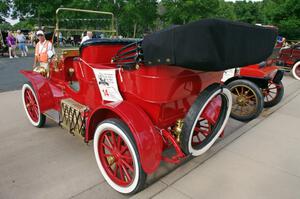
44, 51
11, 43
89, 35
60, 39
21, 40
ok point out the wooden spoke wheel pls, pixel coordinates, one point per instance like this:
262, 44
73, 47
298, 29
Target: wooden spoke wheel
117, 157
247, 100
32, 107
296, 70
206, 120
273, 94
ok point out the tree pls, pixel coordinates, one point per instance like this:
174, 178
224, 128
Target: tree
41, 10
184, 11
285, 14
5, 26
137, 17
4, 10
25, 24
226, 10
134, 17
248, 12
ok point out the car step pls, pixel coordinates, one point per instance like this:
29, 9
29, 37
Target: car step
53, 115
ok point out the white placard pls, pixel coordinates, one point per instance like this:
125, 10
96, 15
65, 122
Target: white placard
108, 85
228, 74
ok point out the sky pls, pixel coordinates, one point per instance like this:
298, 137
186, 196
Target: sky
12, 21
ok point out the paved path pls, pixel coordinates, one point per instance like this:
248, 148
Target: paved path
263, 163
10, 78
50, 163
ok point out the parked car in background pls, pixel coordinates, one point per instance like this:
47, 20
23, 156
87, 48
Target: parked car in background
289, 59
254, 87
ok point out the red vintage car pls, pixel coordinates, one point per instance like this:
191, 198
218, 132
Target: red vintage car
113, 92
289, 59
254, 87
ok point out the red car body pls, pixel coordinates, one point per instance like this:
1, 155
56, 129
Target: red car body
260, 74
137, 98
258, 71
145, 108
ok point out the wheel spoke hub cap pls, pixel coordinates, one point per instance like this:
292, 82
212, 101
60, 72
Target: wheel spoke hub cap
242, 100
31, 105
116, 158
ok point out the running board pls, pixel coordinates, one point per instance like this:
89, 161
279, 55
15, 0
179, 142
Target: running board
53, 115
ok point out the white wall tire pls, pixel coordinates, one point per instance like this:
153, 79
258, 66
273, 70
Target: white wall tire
195, 112
121, 130
295, 70
40, 119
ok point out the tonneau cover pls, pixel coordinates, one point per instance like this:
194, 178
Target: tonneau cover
209, 45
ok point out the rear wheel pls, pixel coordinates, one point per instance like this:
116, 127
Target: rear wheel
273, 94
32, 107
117, 157
296, 70
206, 120
248, 101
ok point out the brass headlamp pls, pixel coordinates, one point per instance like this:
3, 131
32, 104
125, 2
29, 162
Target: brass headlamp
41, 70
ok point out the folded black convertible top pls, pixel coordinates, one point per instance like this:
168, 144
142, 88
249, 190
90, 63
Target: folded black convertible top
209, 45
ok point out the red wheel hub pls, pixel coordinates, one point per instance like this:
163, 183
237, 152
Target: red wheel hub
271, 92
207, 120
116, 158
31, 105
297, 70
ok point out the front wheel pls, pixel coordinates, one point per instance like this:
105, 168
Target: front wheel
273, 94
248, 101
31, 106
117, 157
296, 70
205, 120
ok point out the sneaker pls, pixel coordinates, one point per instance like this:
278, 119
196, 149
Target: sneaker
22, 55
10, 57
16, 56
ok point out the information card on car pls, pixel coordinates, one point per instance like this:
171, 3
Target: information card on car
228, 74
108, 85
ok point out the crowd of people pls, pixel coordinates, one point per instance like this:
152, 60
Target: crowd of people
14, 41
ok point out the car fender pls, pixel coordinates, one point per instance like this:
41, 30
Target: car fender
256, 72
147, 138
42, 89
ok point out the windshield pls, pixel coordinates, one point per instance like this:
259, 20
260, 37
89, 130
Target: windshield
72, 25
